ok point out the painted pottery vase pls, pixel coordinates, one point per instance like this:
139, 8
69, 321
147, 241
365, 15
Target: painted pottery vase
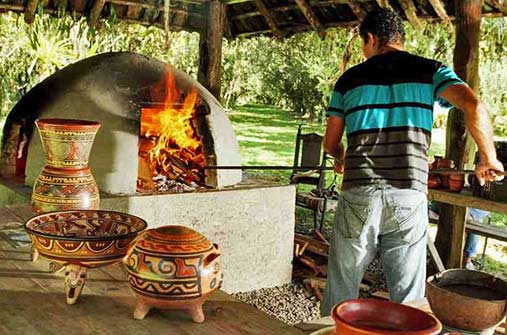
374, 316
173, 267
66, 182
78, 240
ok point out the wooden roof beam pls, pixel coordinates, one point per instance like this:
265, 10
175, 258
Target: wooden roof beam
30, 8
439, 8
356, 9
501, 5
269, 18
312, 18
97, 7
410, 12
384, 4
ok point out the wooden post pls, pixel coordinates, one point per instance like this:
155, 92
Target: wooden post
31, 6
459, 146
97, 7
210, 48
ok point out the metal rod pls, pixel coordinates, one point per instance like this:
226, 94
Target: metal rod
455, 171
267, 167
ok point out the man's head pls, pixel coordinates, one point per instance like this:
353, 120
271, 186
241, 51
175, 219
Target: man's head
380, 28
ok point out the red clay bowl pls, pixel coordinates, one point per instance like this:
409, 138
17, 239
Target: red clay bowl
89, 238
373, 316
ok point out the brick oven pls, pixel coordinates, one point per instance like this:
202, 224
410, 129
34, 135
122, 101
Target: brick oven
159, 129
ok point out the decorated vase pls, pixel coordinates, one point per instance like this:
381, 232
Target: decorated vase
173, 267
78, 240
66, 182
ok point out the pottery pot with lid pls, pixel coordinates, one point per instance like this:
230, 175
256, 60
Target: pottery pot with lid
173, 267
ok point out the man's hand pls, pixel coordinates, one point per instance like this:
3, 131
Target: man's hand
488, 171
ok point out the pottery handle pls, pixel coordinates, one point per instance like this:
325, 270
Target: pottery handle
213, 256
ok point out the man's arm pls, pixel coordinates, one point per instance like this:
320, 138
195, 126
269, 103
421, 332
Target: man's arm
478, 123
332, 141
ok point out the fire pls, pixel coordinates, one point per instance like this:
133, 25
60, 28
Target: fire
169, 143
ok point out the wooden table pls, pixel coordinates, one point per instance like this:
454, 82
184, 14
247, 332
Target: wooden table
464, 199
32, 299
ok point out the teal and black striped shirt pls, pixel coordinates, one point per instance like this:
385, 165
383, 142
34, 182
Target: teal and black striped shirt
387, 103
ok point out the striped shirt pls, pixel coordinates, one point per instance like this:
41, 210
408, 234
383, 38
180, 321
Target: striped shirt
387, 103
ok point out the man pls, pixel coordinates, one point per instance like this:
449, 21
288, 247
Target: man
386, 106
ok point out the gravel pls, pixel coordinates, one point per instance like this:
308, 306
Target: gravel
292, 304
289, 303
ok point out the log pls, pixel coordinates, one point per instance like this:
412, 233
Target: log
311, 17
210, 49
314, 246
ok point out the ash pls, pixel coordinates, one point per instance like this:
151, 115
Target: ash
163, 184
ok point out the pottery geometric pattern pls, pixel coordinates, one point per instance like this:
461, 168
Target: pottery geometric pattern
66, 182
173, 267
90, 238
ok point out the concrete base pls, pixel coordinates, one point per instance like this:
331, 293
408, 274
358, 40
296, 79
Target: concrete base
253, 225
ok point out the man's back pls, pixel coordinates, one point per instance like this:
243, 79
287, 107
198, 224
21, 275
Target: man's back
387, 103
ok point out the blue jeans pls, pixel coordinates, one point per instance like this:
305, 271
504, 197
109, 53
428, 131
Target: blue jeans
370, 219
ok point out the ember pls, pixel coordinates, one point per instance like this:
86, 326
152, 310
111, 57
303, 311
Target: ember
170, 145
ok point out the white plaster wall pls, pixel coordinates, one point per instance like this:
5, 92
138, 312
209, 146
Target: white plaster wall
254, 228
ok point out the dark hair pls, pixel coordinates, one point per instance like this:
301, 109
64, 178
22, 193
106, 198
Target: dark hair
385, 24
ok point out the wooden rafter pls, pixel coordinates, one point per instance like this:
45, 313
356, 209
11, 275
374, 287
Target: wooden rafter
501, 5
356, 9
97, 7
439, 8
144, 4
269, 18
384, 4
410, 12
30, 8
312, 18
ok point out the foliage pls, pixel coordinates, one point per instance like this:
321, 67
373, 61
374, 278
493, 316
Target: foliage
296, 74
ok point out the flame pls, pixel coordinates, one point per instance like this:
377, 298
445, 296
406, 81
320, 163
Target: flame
174, 148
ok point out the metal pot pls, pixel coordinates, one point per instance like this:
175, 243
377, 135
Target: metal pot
466, 299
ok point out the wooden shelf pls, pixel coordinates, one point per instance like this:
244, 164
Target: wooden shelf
465, 199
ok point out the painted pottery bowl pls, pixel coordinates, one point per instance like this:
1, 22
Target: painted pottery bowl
466, 299
83, 239
173, 267
87, 237
374, 316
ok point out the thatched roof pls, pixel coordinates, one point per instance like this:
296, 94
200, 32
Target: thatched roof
246, 17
